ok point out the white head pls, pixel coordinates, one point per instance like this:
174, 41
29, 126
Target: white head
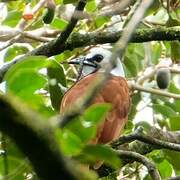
101, 57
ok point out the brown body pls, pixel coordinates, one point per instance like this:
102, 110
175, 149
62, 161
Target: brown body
115, 92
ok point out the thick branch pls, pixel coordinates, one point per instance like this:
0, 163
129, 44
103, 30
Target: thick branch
140, 147
139, 135
77, 40
35, 138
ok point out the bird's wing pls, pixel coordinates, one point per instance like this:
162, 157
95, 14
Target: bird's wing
76, 92
115, 92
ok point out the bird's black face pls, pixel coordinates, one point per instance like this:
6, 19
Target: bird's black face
92, 61
96, 58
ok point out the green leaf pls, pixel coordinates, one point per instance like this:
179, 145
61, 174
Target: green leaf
165, 169
95, 153
24, 80
174, 158
70, 143
56, 81
130, 66
153, 8
31, 62
96, 113
59, 23
156, 52
85, 127
24, 83
17, 167
173, 88
175, 123
164, 110
82, 129
157, 156
133, 59
12, 18
14, 51
91, 6
100, 21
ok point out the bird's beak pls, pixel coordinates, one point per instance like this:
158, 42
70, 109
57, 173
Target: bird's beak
82, 61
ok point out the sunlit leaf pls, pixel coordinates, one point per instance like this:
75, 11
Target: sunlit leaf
70, 143
31, 62
59, 23
165, 169
25, 81
84, 130
96, 113
14, 51
100, 21
91, 6
95, 153
175, 123
12, 18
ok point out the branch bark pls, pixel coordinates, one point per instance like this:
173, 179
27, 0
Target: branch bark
140, 136
142, 159
134, 86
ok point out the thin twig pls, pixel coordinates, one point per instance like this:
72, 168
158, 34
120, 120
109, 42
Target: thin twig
60, 42
134, 86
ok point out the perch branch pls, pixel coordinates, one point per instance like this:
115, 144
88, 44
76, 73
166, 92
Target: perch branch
139, 135
142, 159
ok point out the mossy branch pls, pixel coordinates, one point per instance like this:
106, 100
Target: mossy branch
77, 40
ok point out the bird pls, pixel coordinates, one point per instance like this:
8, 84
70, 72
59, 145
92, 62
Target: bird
115, 92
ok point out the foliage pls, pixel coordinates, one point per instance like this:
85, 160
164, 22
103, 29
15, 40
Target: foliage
41, 82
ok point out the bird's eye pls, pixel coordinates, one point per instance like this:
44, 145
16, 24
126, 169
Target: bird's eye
98, 58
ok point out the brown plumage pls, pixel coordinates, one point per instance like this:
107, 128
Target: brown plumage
115, 92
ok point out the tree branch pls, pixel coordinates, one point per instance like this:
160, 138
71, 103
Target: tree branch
138, 87
60, 42
139, 135
140, 147
77, 40
142, 159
